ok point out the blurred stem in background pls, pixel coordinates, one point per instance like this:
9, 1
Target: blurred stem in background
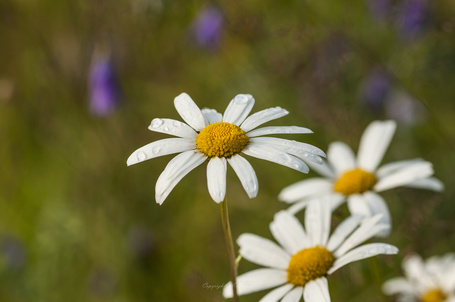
230, 248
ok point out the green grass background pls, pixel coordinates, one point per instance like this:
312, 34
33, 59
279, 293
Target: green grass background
85, 227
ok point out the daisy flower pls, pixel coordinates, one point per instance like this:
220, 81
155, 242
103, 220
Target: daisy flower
299, 266
432, 280
359, 179
220, 139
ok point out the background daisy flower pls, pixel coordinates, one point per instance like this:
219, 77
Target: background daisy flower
432, 280
220, 138
359, 179
299, 265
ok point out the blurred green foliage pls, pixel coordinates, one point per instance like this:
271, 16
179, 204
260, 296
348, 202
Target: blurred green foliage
77, 225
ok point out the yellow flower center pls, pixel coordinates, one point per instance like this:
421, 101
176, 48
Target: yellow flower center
354, 182
221, 140
434, 295
309, 264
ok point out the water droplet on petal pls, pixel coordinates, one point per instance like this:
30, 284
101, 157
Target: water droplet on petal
241, 99
156, 123
141, 156
177, 124
156, 150
166, 129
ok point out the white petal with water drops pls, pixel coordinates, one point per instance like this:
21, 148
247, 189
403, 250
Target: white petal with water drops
175, 170
190, 112
172, 127
160, 148
238, 109
246, 174
265, 152
216, 178
212, 116
278, 130
262, 117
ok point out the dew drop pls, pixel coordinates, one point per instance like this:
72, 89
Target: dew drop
241, 99
166, 129
156, 150
156, 123
141, 156
177, 124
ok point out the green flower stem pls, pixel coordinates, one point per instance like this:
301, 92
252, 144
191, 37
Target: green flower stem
377, 277
230, 249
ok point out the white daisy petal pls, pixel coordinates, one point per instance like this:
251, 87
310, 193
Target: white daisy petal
362, 252
341, 157
172, 127
216, 178
324, 169
343, 230
306, 189
262, 117
238, 109
262, 251
358, 206
293, 146
317, 221
160, 148
265, 152
430, 183
175, 170
277, 293
377, 205
373, 144
246, 174
298, 206
294, 295
190, 112
256, 280
317, 291
367, 229
405, 175
392, 167
278, 130
212, 116
288, 231
398, 285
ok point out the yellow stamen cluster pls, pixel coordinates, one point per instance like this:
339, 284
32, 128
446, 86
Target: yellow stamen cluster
434, 295
355, 181
221, 140
309, 264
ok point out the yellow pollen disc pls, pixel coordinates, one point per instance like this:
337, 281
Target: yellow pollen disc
221, 140
434, 295
354, 182
309, 264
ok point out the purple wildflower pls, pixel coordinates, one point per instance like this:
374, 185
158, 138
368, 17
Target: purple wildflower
12, 252
104, 87
413, 19
376, 88
207, 29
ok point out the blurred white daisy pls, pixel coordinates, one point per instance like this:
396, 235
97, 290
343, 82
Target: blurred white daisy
432, 280
299, 267
220, 138
359, 179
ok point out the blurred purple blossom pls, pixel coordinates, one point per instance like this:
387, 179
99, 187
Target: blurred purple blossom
207, 28
13, 252
104, 86
376, 88
413, 19
380, 9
